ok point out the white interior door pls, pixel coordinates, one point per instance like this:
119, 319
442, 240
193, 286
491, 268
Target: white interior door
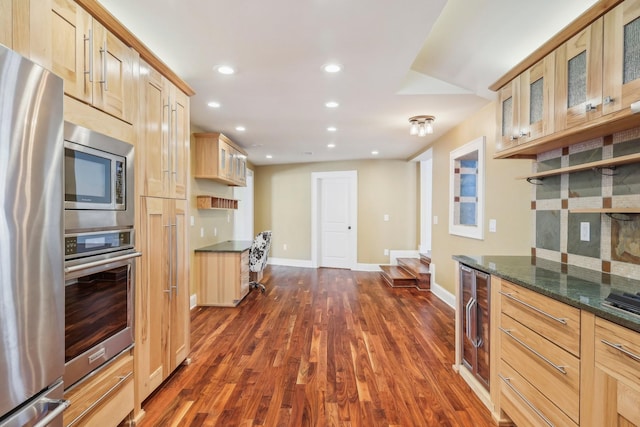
243, 216
335, 224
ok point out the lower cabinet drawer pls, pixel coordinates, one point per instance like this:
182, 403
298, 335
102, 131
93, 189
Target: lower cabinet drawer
105, 398
554, 372
525, 405
618, 351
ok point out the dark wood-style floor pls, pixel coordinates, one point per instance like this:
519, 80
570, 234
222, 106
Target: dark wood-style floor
320, 348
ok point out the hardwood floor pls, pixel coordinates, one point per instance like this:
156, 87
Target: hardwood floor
321, 347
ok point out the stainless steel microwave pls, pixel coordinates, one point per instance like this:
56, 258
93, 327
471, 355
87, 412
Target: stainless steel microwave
98, 180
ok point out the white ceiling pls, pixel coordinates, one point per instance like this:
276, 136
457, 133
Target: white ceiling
400, 59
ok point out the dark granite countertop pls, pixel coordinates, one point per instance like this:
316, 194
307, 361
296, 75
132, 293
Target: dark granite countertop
578, 287
228, 246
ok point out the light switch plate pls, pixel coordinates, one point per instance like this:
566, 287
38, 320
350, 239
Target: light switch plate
492, 225
386, 217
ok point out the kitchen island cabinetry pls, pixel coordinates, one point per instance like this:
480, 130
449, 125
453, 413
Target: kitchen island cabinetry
222, 273
162, 299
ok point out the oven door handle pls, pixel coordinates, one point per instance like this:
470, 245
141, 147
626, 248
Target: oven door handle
101, 262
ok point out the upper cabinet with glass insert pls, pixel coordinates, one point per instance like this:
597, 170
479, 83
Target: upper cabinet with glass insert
582, 84
579, 78
621, 79
525, 105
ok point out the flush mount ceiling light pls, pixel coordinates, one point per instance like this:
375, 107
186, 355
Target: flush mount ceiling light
332, 68
225, 69
331, 104
331, 145
332, 129
421, 125
240, 128
214, 104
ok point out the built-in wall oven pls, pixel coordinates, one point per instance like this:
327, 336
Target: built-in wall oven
99, 250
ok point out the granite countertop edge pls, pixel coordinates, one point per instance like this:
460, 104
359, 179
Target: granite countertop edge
582, 288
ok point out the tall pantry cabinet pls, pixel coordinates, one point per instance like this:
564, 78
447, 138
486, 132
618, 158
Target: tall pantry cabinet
162, 303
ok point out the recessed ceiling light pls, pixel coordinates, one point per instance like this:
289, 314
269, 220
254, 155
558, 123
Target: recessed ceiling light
214, 104
240, 128
269, 156
331, 145
331, 104
225, 69
332, 68
375, 152
332, 128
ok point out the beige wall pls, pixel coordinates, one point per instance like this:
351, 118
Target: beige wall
283, 205
508, 200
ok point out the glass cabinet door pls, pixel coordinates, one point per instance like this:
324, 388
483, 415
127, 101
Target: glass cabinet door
578, 86
621, 57
508, 115
537, 100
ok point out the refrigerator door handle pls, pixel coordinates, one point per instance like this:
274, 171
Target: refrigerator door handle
60, 406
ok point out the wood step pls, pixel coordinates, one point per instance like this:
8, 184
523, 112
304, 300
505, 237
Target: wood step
397, 277
419, 270
425, 258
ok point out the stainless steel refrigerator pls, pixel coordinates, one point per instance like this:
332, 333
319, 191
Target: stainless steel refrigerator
31, 233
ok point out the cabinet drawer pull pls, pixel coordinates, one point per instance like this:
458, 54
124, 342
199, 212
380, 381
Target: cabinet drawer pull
507, 381
621, 348
525, 345
536, 309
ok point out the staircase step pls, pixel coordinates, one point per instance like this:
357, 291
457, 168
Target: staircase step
397, 277
419, 270
425, 258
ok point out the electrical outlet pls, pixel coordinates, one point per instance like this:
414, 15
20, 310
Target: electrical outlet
386, 217
201, 231
585, 231
215, 231
284, 247
435, 220
192, 221
492, 225
386, 252
228, 217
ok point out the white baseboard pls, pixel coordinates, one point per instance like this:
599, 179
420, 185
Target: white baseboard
193, 301
446, 296
288, 262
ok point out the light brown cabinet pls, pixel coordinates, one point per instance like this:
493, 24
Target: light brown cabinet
162, 300
621, 72
222, 277
579, 78
164, 142
6, 23
219, 159
96, 66
526, 105
104, 398
540, 358
616, 385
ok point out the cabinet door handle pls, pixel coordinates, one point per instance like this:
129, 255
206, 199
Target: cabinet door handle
175, 141
621, 348
558, 368
103, 51
167, 136
513, 138
90, 40
608, 100
536, 309
468, 313
507, 381
170, 261
590, 107
174, 261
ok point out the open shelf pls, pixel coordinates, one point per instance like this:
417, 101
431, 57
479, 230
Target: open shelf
215, 202
622, 160
607, 210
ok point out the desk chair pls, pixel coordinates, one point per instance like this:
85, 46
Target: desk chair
258, 254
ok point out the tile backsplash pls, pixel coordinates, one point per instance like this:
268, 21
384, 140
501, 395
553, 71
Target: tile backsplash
609, 243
